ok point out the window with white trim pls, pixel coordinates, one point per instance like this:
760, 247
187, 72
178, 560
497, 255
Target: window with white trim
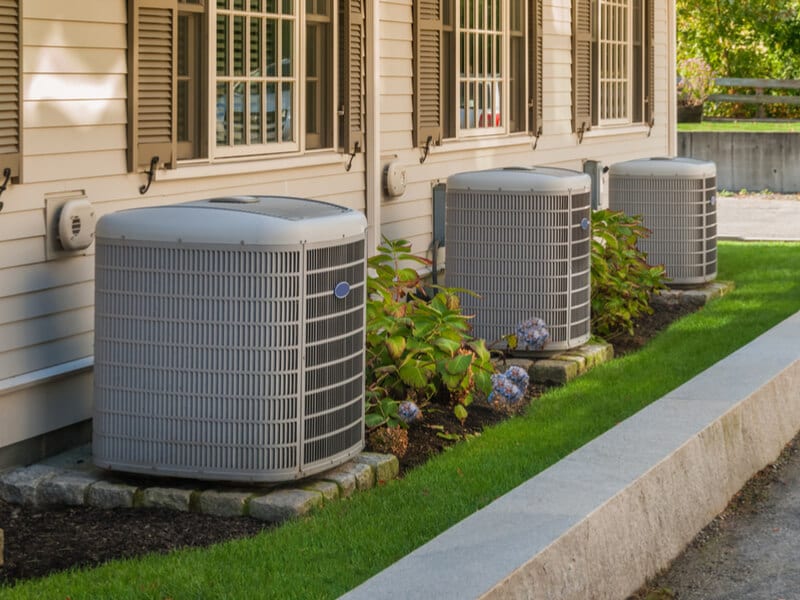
477, 68
226, 78
613, 63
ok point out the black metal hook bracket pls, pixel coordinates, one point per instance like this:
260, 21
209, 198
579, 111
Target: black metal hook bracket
583, 129
150, 175
426, 150
4, 185
536, 137
356, 150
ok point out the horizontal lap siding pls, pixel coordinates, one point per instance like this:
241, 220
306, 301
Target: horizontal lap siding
410, 215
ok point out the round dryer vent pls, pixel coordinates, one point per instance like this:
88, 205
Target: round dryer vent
677, 200
520, 239
229, 339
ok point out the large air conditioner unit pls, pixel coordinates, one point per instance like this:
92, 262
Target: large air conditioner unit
520, 239
229, 339
677, 200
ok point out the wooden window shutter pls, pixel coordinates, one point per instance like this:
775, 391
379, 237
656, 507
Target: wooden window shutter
10, 87
650, 62
536, 76
352, 47
581, 65
427, 71
152, 76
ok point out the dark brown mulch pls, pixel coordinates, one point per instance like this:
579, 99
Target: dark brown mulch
39, 542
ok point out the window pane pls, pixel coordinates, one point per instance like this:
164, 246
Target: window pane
272, 47
183, 111
222, 3
271, 112
238, 46
287, 100
255, 5
286, 49
288, 7
239, 98
255, 113
271, 6
222, 45
222, 113
256, 29
238, 4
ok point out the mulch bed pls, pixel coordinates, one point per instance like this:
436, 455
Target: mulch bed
40, 542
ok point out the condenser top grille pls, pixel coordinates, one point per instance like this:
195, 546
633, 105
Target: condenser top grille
537, 180
280, 221
671, 168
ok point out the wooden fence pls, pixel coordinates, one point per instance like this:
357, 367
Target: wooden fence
758, 85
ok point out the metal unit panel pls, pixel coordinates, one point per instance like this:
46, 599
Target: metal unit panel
677, 203
525, 254
229, 362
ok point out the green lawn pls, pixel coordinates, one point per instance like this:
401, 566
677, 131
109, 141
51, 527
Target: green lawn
749, 126
347, 541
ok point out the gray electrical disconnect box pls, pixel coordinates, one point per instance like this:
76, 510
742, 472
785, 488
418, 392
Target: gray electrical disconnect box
598, 171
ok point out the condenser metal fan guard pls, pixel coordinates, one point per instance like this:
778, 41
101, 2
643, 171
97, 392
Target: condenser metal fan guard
677, 200
520, 239
229, 339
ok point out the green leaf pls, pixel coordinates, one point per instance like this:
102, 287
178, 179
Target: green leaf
412, 375
447, 345
460, 412
458, 365
396, 346
373, 420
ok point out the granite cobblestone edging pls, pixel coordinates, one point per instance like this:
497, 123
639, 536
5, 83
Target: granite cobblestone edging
73, 482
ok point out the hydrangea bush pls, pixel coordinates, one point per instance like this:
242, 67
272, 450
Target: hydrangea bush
532, 334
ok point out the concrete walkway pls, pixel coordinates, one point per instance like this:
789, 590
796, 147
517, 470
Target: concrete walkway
759, 217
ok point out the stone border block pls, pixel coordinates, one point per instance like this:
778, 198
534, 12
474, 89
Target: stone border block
65, 489
552, 370
171, 498
344, 479
223, 503
283, 505
105, 494
19, 486
386, 466
328, 489
363, 475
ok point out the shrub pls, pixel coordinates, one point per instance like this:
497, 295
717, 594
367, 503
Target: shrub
695, 82
622, 281
418, 349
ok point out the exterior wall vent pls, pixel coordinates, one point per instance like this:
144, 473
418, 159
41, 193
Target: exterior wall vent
229, 339
677, 200
520, 239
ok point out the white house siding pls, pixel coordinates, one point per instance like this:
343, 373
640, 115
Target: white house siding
74, 144
410, 216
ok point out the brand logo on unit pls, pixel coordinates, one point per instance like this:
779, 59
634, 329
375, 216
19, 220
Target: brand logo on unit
341, 290
584, 223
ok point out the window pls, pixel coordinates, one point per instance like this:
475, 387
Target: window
477, 68
612, 62
9, 88
242, 71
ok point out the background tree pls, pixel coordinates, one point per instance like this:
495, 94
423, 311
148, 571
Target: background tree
742, 38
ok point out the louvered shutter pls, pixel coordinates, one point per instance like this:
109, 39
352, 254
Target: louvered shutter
427, 71
352, 58
152, 43
581, 65
9, 87
535, 77
650, 61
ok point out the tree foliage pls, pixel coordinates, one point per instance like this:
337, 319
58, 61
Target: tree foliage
753, 38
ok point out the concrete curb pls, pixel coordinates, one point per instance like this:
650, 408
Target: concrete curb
618, 510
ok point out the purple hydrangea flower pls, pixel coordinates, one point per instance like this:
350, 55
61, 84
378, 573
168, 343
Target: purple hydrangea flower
408, 412
532, 334
504, 390
518, 376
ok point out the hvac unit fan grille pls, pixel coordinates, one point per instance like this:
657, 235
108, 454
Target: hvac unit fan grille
233, 364
681, 215
525, 255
